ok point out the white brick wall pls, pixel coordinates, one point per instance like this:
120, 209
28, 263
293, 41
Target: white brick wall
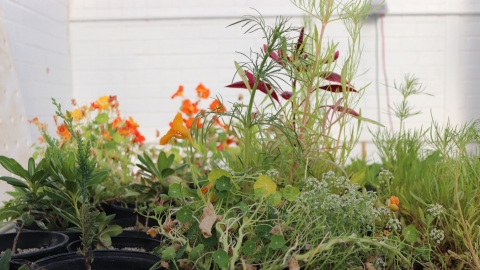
39, 38
141, 51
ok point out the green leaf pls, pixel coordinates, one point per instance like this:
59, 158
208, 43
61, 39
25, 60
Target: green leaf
27, 219
97, 178
87, 134
14, 167
244, 207
264, 186
221, 194
223, 183
359, 177
117, 137
66, 215
249, 247
184, 215
102, 118
31, 166
14, 182
214, 175
410, 233
112, 230
168, 254
5, 259
221, 258
167, 172
58, 195
263, 230
275, 199
242, 75
368, 120
175, 191
72, 186
291, 193
196, 252
277, 241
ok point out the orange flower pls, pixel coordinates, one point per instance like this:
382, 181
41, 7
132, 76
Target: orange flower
63, 132
41, 139
202, 92
393, 203
178, 130
191, 120
35, 121
218, 107
139, 138
106, 135
132, 122
206, 188
179, 92
189, 108
94, 106
116, 122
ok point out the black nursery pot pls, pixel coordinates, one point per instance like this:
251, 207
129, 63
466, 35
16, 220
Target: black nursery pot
122, 212
72, 236
52, 243
103, 260
120, 242
131, 222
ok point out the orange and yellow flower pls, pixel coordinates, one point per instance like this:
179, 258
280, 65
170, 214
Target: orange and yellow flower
393, 203
78, 115
189, 108
217, 106
190, 121
179, 92
63, 132
202, 92
178, 130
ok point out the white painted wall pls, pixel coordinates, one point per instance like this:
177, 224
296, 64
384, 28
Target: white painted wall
35, 48
38, 33
142, 50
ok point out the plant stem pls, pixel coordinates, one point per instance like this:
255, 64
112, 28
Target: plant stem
14, 246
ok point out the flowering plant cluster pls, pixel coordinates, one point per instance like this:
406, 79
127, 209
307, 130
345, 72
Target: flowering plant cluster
115, 142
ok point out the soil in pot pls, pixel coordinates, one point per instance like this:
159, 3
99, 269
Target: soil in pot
40, 244
72, 236
131, 230
125, 243
103, 260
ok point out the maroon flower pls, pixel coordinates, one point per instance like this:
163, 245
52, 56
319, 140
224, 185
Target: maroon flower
262, 86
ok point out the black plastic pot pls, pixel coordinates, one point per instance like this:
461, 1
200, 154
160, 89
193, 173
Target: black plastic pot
121, 211
72, 236
120, 242
53, 242
130, 222
103, 260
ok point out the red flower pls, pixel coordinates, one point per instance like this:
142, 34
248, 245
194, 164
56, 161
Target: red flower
262, 86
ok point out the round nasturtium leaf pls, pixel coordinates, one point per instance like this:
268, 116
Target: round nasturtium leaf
196, 252
249, 247
175, 191
410, 233
168, 254
118, 138
214, 175
264, 185
291, 193
275, 199
223, 183
184, 215
244, 207
102, 118
221, 258
277, 241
